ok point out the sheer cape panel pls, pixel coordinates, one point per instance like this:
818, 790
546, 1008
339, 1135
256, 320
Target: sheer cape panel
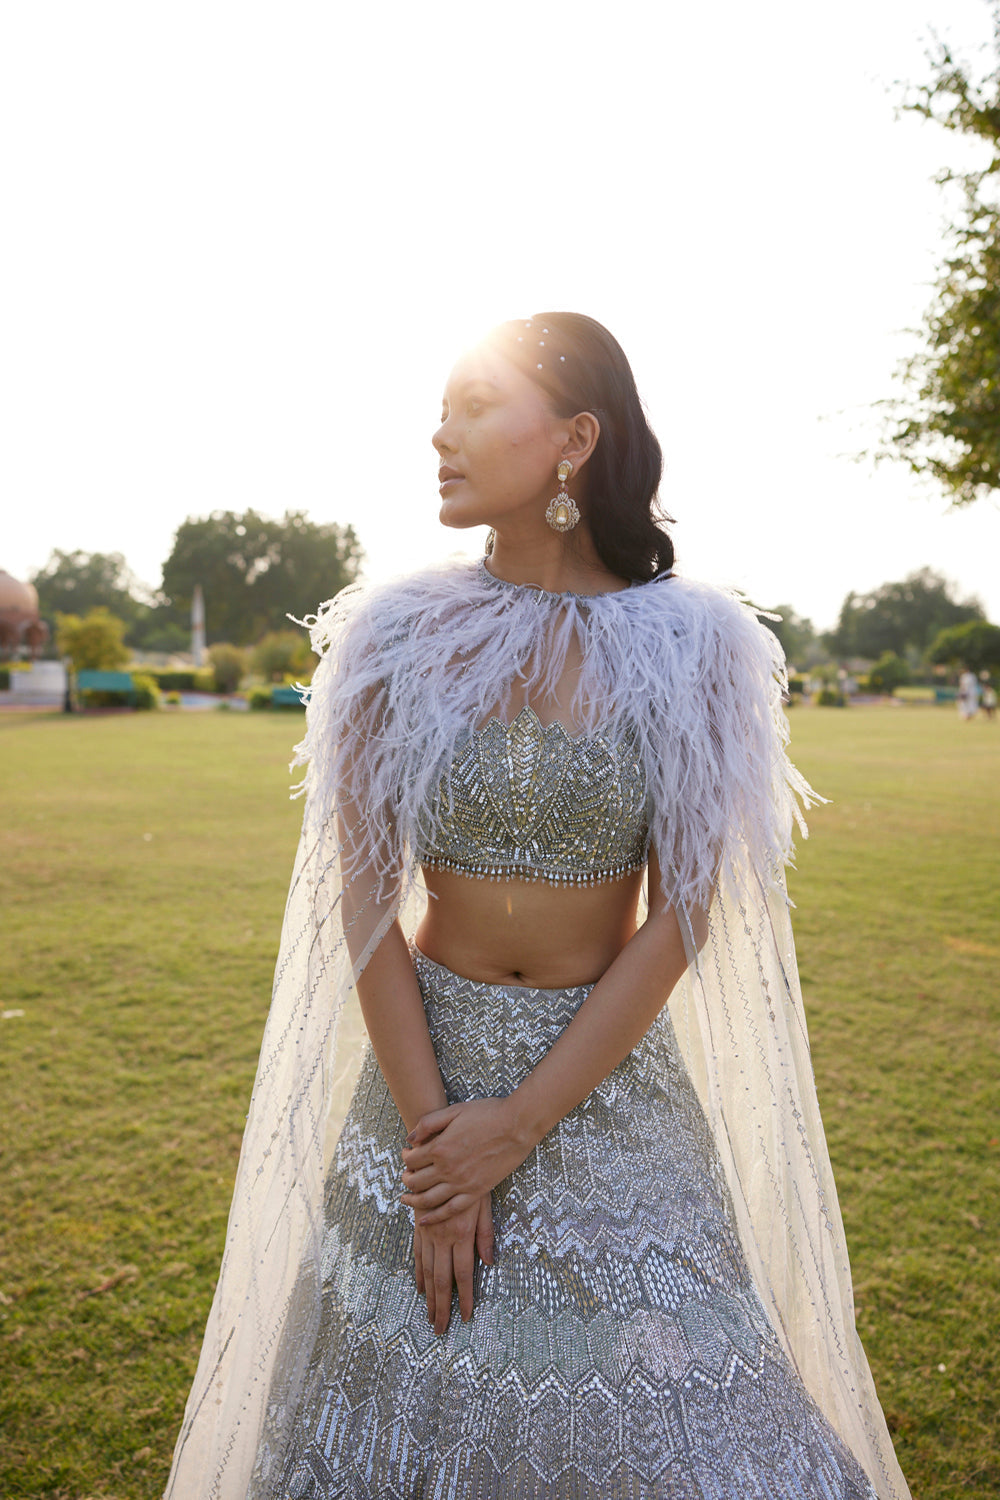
406, 671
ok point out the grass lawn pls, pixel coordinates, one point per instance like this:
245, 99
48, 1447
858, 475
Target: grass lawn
145, 861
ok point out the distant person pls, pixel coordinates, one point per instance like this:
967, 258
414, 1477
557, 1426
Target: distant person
572, 1241
989, 696
968, 695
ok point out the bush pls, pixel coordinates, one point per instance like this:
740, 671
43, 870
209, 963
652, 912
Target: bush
888, 673
829, 698
259, 697
283, 654
102, 698
145, 692
4, 679
229, 664
93, 643
204, 680
173, 700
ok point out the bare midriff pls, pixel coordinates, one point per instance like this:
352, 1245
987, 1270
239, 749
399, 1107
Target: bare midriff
527, 932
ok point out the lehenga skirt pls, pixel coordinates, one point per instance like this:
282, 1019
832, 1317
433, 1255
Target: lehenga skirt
618, 1349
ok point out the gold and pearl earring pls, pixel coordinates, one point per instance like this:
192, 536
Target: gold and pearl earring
563, 513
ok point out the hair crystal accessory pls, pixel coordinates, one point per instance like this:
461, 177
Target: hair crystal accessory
528, 339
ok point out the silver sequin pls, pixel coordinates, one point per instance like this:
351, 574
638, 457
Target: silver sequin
618, 1347
532, 801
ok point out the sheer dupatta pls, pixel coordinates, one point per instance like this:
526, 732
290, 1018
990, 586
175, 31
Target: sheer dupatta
265, 1311
741, 1028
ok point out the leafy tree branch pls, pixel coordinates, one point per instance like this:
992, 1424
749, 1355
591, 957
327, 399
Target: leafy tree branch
946, 422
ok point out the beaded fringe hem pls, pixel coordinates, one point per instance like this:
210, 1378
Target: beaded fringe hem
498, 873
618, 1347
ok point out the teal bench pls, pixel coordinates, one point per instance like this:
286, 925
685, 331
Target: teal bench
286, 697
106, 682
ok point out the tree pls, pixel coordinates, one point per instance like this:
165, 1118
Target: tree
155, 630
74, 583
255, 571
797, 635
947, 424
898, 616
975, 645
94, 643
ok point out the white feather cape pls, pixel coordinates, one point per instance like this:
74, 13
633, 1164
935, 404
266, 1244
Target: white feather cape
409, 668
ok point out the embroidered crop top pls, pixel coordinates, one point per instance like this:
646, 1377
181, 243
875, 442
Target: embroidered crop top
532, 801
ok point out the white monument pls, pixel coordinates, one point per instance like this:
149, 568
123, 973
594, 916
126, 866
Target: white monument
198, 626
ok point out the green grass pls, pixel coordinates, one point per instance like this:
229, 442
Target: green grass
899, 945
145, 861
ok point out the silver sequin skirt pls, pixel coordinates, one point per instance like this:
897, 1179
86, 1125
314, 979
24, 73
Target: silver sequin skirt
618, 1348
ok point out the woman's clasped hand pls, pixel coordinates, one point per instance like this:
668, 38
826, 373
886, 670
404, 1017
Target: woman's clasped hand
453, 1160
444, 1256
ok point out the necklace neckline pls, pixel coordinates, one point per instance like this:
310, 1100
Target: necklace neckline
536, 589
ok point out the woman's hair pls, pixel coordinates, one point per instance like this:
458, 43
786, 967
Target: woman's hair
581, 367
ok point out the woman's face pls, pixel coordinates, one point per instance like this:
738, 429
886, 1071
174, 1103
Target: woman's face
498, 444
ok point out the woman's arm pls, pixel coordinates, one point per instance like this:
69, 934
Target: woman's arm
390, 997
393, 1008
463, 1151
393, 1011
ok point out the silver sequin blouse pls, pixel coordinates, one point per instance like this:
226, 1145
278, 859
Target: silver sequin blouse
532, 801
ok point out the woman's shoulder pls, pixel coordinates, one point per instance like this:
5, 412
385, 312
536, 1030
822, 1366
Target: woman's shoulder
678, 593
687, 609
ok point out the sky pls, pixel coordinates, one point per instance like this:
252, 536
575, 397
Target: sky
246, 242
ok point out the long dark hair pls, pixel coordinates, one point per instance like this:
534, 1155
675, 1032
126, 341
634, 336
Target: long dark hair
582, 367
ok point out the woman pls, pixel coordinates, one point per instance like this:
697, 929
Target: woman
628, 1204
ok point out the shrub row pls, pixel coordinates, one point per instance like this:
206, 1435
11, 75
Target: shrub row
191, 680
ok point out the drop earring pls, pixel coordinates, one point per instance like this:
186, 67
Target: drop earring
563, 513
491, 538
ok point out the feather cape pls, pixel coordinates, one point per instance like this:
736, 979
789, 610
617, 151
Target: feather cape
409, 668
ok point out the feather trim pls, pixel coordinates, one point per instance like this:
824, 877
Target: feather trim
409, 667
